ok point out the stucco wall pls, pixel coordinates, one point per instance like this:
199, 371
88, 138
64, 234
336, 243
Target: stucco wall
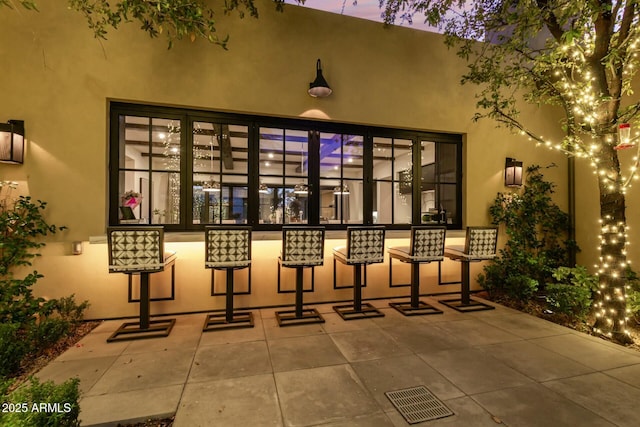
58, 79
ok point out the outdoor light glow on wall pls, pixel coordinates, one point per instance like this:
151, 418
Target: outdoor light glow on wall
512, 173
319, 88
12, 142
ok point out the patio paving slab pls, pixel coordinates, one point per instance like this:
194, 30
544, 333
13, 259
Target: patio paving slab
536, 362
144, 371
534, 405
322, 395
367, 344
89, 371
474, 371
242, 402
596, 355
216, 362
523, 326
608, 397
289, 354
424, 338
627, 374
103, 410
473, 332
395, 373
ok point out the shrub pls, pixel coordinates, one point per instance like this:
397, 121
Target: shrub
55, 405
521, 288
69, 310
536, 229
49, 331
13, 347
572, 295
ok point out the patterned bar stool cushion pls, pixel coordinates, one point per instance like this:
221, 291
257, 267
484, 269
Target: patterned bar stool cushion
137, 250
481, 244
302, 246
365, 245
427, 245
228, 247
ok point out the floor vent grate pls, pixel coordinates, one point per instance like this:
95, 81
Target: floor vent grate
418, 404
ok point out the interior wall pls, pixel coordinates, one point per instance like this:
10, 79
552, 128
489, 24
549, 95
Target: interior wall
60, 80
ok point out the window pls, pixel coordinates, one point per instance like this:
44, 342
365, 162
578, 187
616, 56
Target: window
220, 191
186, 169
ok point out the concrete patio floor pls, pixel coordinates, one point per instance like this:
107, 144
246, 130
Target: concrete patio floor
491, 367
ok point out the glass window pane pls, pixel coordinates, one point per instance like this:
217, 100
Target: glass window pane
382, 158
296, 198
402, 204
165, 198
296, 153
382, 202
165, 144
271, 151
447, 162
330, 155
134, 197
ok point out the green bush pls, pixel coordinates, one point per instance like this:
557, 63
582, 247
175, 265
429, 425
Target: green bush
521, 288
536, 229
13, 347
49, 331
572, 295
43, 405
69, 310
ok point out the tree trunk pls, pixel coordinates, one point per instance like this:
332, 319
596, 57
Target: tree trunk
611, 296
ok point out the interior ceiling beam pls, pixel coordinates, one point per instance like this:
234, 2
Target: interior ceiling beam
226, 152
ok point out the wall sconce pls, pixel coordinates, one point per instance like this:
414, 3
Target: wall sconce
319, 88
76, 247
12, 142
512, 173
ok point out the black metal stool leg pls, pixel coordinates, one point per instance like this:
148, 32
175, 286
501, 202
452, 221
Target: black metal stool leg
144, 327
299, 291
415, 307
145, 316
357, 310
229, 319
357, 287
465, 304
229, 296
415, 285
299, 315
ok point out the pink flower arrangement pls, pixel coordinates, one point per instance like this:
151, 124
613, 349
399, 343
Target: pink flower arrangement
131, 199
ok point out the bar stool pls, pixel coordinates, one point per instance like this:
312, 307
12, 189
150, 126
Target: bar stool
302, 247
228, 248
426, 246
140, 250
365, 245
480, 245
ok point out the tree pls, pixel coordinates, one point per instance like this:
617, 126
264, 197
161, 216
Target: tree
175, 18
579, 56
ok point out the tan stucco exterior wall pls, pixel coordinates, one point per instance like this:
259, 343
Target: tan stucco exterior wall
58, 79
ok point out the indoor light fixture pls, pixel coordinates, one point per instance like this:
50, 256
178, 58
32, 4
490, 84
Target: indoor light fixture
263, 189
512, 173
12, 142
301, 189
319, 88
341, 191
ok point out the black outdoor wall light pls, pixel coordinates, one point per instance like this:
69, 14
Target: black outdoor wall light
512, 173
319, 88
12, 142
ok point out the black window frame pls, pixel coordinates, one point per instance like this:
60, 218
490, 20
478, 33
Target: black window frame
188, 116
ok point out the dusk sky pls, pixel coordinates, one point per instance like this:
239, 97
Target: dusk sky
367, 9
